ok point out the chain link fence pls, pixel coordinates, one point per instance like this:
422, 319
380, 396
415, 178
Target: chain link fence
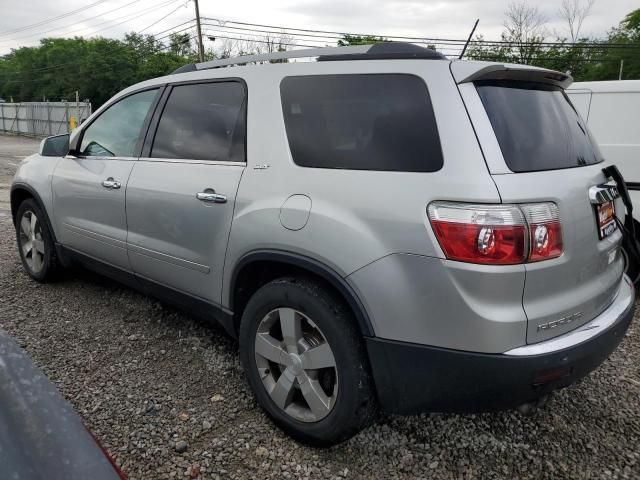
42, 119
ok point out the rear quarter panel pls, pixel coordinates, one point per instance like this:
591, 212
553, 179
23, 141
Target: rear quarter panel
356, 217
585, 278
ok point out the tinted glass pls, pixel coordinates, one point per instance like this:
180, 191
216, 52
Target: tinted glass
202, 122
57, 146
361, 122
537, 127
115, 133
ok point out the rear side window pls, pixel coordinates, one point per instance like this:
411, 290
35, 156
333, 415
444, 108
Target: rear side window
203, 121
361, 122
536, 126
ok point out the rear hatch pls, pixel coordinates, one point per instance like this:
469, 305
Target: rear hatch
541, 151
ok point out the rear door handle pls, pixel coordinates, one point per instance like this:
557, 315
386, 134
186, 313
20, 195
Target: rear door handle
210, 195
111, 184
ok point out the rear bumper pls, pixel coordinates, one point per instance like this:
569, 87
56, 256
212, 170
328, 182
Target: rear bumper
414, 378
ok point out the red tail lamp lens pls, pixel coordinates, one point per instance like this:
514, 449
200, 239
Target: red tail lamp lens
497, 234
497, 245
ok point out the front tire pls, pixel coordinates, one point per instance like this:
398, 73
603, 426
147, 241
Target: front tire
35, 242
305, 362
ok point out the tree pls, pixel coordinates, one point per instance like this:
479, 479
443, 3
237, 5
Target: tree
585, 59
525, 28
349, 40
97, 68
631, 22
180, 44
622, 47
574, 13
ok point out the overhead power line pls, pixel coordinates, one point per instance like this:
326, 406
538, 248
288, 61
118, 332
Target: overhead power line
128, 17
548, 59
337, 34
300, 38
175, 26
160, 39
49, 20
292, 36
140, 14
39, 34
257, 40
161, 19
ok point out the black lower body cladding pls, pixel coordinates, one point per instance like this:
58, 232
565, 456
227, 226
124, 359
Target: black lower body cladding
412, 378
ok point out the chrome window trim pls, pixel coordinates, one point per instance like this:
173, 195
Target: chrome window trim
102, 157
191, 161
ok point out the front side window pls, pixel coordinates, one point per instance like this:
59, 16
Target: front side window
361, 122
116, 132
536, 126
202, 121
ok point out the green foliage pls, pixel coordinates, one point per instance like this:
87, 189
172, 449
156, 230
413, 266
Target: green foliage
97, 68
586, 59
349, 40
631, 22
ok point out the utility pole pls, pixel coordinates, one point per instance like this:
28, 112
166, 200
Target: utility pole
621, 66
200, 46
77, 108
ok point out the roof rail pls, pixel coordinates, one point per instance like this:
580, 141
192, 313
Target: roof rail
378, 51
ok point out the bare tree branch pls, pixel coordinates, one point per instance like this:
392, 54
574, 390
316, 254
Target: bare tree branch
526, 28
574, 13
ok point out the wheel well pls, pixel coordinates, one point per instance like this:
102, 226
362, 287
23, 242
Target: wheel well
258, 273
21, 193
18, 195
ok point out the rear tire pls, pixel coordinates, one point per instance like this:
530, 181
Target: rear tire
282, 322
35, 242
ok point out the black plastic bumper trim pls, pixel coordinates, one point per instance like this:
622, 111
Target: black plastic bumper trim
412, 378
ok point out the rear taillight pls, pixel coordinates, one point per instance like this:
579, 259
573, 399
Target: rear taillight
545, 232
497, 234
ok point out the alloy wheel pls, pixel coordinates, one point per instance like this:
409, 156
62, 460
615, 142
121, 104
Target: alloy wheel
296, 364
31, 242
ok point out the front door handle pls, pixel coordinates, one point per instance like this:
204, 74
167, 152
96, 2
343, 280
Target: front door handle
210, 195
111, 184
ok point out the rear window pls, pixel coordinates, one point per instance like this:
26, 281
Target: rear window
361, 122
536, 126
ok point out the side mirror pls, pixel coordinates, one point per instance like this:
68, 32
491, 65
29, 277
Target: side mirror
56, 146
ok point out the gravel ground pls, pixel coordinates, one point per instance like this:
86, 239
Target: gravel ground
13, 148
166, 395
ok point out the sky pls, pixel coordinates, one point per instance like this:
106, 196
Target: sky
433, 19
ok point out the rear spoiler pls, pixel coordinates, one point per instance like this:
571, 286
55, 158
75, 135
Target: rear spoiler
465, 72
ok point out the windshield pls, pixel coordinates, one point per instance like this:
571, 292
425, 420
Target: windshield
536, 126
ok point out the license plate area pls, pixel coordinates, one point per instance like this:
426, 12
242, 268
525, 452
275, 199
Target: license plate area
606, 219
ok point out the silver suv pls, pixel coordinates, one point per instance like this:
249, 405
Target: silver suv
382, 228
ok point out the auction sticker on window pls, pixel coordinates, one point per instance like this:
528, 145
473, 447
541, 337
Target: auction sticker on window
606, 216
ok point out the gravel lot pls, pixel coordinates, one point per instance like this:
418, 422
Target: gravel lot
13, 148
147, 379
